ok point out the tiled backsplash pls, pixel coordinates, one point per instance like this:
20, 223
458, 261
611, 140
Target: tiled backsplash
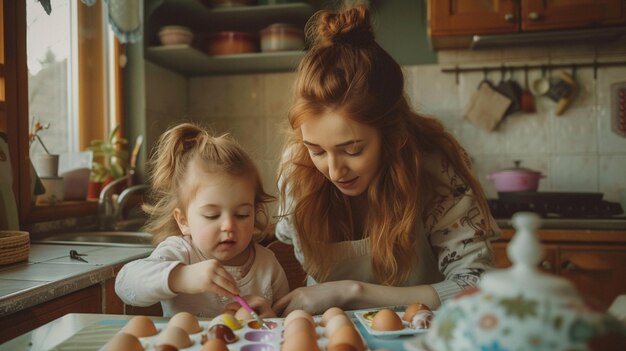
577, 151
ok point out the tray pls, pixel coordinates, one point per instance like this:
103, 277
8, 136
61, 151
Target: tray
386, 334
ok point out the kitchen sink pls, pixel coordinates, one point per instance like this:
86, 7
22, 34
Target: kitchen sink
112, 238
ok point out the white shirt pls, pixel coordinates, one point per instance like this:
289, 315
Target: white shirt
144, 282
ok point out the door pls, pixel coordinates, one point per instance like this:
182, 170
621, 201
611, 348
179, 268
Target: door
598, 272
564, 14
458, 17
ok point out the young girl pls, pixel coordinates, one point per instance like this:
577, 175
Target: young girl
206, 201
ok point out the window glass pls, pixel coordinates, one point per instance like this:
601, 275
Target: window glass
50, 42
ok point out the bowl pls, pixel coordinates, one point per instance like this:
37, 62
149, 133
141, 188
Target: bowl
232, 42
175, 35
281, 37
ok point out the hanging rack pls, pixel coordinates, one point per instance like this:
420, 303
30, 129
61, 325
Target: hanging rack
545, 66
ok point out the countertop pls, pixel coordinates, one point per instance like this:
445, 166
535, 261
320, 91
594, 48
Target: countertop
51, 273
615, 223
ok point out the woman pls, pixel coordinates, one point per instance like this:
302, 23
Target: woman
379, 202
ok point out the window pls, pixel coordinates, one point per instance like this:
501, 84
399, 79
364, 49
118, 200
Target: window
60, 69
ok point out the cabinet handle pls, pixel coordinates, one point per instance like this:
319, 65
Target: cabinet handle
568, 265
545, 264
533, 16
509, 17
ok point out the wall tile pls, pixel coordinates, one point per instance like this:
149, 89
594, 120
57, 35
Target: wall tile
278, 90
166, 91
606, 77
206, 97
612, 175
575, 131
432, 87
574, 173
608, 141
525, 132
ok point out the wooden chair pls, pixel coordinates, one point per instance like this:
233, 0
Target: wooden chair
287, 259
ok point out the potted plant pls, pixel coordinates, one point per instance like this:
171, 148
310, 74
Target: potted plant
46, 164
110, 161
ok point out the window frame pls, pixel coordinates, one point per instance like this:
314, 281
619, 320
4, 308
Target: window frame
16, 112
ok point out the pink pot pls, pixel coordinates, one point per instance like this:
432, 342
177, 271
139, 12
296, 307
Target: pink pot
516, 179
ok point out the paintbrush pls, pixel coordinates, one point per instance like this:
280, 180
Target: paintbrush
247, 307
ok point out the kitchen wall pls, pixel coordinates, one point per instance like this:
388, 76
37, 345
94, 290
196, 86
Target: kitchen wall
577, 150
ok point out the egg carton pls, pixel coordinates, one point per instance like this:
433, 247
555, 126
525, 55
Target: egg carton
250, 338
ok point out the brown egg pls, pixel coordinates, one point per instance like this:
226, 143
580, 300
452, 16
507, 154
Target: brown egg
176, 336
412, 309
297, 313
165, 347
341, 347
387, 320
222, 332
243, 315
214, 345
123, 342
330, 313
140, 326
186, 321
300, 341
335, 323
347, 334
299, 324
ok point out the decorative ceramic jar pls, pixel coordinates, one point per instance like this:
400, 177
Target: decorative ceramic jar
521, 308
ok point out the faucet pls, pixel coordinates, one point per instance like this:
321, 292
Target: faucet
110, 207
118, 215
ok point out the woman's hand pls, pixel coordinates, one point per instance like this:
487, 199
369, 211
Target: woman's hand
202, 277
318, 298
260, 305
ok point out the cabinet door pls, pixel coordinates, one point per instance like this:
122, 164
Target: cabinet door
547, 263
458, 17
563, 14
597, 271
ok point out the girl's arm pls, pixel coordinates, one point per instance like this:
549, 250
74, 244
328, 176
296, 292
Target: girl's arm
144, 282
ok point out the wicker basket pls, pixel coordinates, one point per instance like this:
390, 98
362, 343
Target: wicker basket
14, 246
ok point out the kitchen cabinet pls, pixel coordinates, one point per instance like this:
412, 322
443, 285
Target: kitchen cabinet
593, 260
87, 300
193, 59
453, 23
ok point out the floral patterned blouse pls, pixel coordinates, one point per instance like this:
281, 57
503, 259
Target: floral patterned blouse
452, 245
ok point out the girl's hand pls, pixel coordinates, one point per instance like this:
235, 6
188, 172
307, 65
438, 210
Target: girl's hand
259, 304
202, 277
317, 298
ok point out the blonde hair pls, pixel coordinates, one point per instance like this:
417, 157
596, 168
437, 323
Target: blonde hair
179, 149
347, 72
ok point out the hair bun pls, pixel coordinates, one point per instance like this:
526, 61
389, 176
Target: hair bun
351, 26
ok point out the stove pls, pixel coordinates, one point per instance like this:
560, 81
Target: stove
555, 205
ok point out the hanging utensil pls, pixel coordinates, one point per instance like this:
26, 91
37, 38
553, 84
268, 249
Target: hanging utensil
527, 99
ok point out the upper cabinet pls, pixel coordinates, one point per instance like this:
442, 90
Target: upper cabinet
454, 23
204, 20
567, 14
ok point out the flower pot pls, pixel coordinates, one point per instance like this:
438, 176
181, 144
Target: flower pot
94, 189
46, 165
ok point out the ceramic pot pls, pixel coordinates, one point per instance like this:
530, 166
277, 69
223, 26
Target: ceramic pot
521, 308
516, 179
46, 165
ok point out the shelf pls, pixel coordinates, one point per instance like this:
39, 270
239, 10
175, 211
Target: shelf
203, 18
190, 61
